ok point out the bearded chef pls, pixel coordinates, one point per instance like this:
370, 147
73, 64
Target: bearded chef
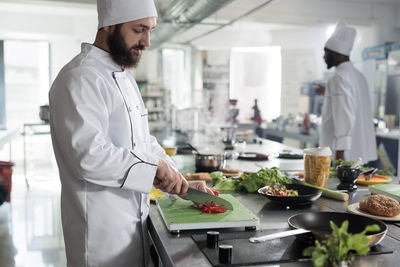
106, 157
347, 120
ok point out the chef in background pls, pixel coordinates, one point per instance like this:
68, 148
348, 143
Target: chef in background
347, 120
106, 157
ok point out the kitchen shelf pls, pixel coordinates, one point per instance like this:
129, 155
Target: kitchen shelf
155, 101
153, 110
157, 94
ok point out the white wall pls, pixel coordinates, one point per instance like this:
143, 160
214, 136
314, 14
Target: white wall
302, 60
65, 26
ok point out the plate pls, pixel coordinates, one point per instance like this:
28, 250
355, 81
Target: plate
253, 156
155, 193
354, 208
375, 179
306, 195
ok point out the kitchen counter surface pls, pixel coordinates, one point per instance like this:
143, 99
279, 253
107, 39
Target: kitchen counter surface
181, 250
7, 135
303, 138
393, 134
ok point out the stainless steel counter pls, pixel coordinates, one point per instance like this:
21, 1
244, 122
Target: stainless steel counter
305, 139
180, 249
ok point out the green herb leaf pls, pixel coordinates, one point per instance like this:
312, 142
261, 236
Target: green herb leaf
339, 245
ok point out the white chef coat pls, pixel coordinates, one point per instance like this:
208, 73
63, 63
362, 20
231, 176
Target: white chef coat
346, 115
106, 158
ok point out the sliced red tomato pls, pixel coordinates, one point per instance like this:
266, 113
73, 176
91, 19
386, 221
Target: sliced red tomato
213, 208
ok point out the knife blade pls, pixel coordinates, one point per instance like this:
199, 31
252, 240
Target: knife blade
203, 198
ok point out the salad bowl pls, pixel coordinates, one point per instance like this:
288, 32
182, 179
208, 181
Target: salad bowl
306, 195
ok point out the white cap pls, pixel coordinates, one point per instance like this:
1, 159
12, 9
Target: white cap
318, 151
111, 12
342, 39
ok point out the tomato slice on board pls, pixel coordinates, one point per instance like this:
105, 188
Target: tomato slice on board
213, 208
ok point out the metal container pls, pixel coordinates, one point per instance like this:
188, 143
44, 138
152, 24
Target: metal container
209, 162
44, 113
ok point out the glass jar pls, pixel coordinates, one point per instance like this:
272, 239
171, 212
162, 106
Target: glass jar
317, 162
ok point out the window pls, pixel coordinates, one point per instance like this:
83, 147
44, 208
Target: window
27, 80
176, 76
255, 73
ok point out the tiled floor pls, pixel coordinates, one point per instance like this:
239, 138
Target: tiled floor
30, 225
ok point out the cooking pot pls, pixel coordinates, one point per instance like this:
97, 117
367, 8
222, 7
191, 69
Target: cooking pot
208, 162
44, 113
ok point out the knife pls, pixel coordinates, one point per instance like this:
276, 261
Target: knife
370, 173
205, 198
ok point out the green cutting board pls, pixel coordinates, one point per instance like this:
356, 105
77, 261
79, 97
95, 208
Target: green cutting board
182, 214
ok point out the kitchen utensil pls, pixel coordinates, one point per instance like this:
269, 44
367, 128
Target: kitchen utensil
182, 214
347, 176
355, 209
370, 173
356, 163
326, 192
278, 235
317, 163
193, 148
44, 113
205, 198
306, 195
283, 155
253, 156
208, 162
229, 139
316, 225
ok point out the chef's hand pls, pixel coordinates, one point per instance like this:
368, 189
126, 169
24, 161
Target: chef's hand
169, 180
320, 89
199, 186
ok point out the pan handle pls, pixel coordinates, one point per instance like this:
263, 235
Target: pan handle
264, 238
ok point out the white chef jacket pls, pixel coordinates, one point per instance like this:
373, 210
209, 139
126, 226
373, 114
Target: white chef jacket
346, 115
106, 158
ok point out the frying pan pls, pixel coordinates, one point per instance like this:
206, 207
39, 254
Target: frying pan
315, 225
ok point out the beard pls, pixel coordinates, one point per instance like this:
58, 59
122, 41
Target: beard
120, 53
330, 60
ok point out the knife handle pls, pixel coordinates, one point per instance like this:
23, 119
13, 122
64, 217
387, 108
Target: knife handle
264, 238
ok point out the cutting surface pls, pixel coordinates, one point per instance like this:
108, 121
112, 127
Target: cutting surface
183, 214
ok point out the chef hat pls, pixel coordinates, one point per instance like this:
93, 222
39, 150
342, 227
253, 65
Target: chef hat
111, 12
342, 39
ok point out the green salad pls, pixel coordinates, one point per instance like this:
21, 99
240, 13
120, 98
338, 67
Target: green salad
249, 182
279, 190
